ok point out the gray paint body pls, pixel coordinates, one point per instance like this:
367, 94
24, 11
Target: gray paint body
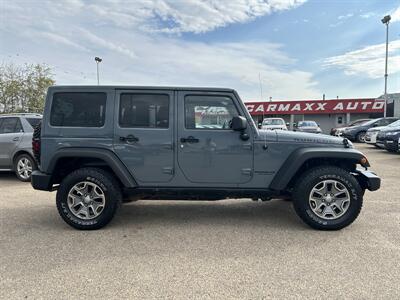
221, 159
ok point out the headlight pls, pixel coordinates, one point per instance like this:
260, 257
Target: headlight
391, 133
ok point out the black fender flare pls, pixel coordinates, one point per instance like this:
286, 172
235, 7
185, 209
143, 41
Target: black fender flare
110, 158
295, 160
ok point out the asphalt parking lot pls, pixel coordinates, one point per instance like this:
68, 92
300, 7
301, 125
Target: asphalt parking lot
225, 249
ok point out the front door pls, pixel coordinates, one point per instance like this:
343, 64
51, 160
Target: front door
10, 136
209, 151
144, 133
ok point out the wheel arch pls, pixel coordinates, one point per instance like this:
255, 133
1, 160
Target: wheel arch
305, 158
68, 160
21, 152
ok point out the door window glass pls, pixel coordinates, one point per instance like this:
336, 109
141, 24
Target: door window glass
209, 112
33, 121
144, 110
76, 109
10, 125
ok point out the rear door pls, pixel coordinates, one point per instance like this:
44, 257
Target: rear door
10, 136
144, 134
209, 151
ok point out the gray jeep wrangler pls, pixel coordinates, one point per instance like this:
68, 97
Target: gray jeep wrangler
99, 146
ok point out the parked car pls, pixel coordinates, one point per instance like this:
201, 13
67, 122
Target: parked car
99, 146
339, 130
389, 138
16, 144
357, 133
307, 126
372, 133
273, 124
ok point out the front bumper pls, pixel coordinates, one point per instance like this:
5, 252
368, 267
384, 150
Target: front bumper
41, 181
368, 179
370, 137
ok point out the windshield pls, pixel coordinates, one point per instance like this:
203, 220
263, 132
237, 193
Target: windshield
394, 124
273, 122
370, 122
307, 123
358, 122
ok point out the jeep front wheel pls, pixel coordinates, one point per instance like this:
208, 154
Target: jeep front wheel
328, 198
88, 198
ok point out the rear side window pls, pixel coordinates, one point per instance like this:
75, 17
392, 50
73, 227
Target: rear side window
33, 121
144, 110
10, 125
78, 109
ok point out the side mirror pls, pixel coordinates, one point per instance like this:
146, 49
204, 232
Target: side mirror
239, 123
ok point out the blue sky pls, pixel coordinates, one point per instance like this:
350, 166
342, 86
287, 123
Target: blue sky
300, 49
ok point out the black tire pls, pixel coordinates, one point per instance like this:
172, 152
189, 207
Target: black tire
360, 137
109, 186
31, 162
304, 186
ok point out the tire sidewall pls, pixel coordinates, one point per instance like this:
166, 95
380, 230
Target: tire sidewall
303, 208
109, 194
359, 135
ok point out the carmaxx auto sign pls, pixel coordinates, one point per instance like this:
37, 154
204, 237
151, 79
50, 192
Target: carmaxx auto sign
315, 107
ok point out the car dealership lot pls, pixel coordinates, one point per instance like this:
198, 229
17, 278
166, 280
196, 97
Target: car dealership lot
223, 249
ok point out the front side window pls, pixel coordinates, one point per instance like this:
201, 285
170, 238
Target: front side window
209, 112
78, 109
144, 110
10, 125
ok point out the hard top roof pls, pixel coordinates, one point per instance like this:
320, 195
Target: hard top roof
134, 87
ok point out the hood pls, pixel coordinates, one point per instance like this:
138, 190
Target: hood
379, 128
388, 128
308, 138
273, 126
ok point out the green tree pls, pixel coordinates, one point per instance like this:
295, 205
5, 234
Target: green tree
23, 88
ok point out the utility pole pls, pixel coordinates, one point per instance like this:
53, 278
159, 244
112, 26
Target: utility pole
98, 60
386, 21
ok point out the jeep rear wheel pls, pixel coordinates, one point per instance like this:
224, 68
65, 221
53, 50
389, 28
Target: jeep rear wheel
88, 198
328, 198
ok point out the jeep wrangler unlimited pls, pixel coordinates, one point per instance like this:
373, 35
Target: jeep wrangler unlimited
99, 146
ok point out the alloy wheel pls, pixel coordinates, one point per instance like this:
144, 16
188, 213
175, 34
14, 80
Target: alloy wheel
86, 200
329, 199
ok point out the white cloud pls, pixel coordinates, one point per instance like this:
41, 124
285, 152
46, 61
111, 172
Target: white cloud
196, 16
368, 15
368, 61
68, 34
342, 17
396, 15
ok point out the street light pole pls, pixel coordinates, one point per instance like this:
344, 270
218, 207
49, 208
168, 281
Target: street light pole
386, 21
98, 60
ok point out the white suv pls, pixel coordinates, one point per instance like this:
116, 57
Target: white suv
273, 124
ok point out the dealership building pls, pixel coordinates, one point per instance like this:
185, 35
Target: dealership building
327, 113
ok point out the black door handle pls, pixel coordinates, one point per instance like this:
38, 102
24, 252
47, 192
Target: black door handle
189, 139
129, 139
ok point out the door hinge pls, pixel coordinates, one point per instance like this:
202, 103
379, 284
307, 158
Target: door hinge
247, 146
247, 172
168, 170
